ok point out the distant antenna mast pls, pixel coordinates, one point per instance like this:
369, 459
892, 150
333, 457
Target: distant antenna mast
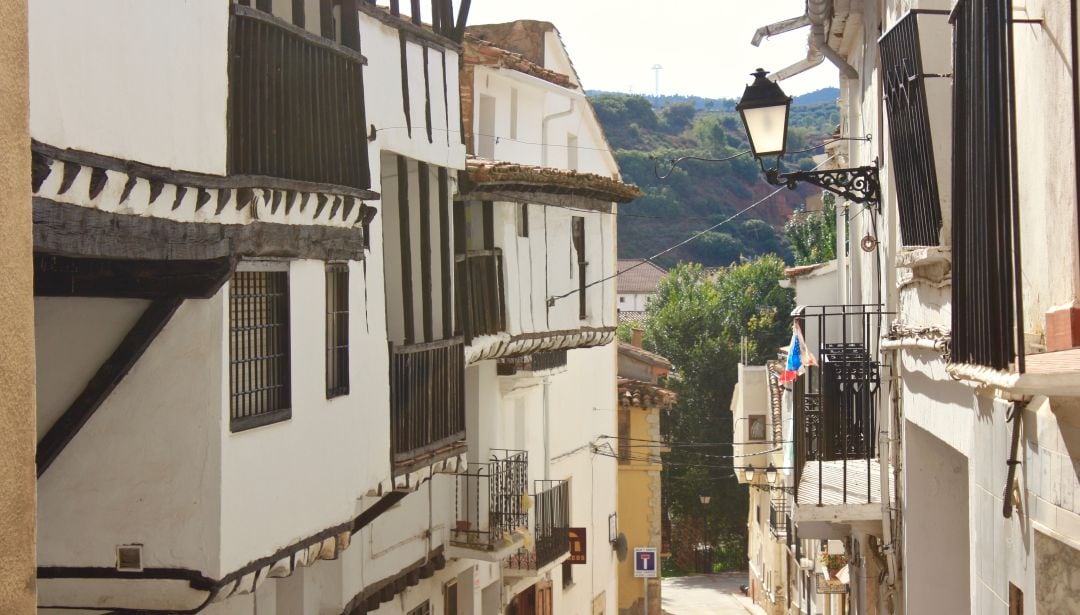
656, 69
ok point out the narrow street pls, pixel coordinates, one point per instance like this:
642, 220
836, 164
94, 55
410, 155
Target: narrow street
707, 594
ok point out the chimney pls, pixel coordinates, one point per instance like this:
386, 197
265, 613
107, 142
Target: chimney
636, 336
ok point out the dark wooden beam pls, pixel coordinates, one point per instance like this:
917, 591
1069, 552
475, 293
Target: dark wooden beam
405, 253
427, 95
462, 18
350, 24
108, 376
446, 256
402, 42
426, 299
60, 276
71, 230
487, 211
298, 16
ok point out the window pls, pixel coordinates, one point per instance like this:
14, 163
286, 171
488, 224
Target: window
259, 371
522, 219
450, 598
571, 152
513, 113
567, 575
578, 237
1016, 600
485, 142
337, 329
756, 427
423, 609
984, 199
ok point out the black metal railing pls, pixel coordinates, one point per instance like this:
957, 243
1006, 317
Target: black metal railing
778, 517
489, 500
427, 398
986, 253
296, 103
535, 362
482, 296
551, 524
910, 137
836, 401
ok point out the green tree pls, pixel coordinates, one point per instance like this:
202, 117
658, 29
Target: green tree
812, 235
698, 321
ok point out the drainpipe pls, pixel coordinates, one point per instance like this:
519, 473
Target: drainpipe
885, 453
544, 133
819, 12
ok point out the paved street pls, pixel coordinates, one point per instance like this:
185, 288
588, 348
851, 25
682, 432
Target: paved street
707, 594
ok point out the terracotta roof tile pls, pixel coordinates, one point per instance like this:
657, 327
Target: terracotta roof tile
479, 51
644, 355
492, 174
641, 276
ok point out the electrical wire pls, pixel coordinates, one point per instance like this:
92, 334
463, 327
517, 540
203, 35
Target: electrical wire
553, 299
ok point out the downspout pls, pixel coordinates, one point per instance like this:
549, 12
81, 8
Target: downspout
547, 435
819, 12
544, 131
885, 452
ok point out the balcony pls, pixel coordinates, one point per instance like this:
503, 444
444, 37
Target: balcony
427, 402
296, 104
778, 517
481, 294
551, 539
533, 364
491, 512
835, 406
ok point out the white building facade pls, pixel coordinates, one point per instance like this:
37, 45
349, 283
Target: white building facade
260, 384
971, 266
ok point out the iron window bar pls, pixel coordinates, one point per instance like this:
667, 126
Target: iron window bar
259, 362
337, 329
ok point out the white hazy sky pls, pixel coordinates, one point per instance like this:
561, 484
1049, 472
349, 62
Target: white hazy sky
703, 45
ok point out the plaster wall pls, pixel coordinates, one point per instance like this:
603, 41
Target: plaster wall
384, 103
107, 77
149, 456
1046, 161
538, 99
639, 509
323, 488
634, 302
17, 481
544, 265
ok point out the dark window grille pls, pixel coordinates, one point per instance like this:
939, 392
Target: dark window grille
337, 329
427, 399
296, 103
909, 134
538, 361
778, 516
481, 294
259, 370
423, 609
985, 246
578, 236
500, 485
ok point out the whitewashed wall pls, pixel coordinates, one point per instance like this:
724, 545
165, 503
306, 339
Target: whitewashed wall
131, 79
633, 302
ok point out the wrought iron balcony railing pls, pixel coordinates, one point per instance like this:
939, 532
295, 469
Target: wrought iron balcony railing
836, 402
490, 500
427, 399
481, 294
551, 523
778, 517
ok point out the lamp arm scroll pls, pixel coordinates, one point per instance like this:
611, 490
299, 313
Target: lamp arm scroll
859, 184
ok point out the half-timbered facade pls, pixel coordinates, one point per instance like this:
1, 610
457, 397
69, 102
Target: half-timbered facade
222, 210
535, 252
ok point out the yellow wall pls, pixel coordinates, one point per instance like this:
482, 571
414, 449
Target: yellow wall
17, 411
639, 510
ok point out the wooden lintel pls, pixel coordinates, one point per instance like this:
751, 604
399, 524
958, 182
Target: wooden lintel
551, 197
61, 276
107, 377
72, 230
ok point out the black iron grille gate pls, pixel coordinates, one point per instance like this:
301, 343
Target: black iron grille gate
986, 251
502, 485
909, 134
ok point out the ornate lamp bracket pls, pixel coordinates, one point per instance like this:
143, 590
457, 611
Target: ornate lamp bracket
859, 184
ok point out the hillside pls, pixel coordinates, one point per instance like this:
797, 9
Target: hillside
698, 195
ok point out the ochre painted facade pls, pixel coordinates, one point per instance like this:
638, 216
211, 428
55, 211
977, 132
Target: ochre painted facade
17, 413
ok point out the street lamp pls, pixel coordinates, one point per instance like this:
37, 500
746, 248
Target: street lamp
748, 473
764, 110
707, 550
704, 499
770, 474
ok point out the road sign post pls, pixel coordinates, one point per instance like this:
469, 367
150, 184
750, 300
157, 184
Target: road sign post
646, 566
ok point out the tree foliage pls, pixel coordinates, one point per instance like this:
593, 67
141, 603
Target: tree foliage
700, 320
812, 235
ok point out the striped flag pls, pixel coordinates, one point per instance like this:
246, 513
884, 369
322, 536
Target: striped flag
798, 356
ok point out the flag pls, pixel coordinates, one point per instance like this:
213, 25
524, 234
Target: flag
798, 356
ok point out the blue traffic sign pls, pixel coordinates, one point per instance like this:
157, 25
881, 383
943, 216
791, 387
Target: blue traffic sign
645, 562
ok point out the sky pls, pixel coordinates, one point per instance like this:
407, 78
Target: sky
703, 45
